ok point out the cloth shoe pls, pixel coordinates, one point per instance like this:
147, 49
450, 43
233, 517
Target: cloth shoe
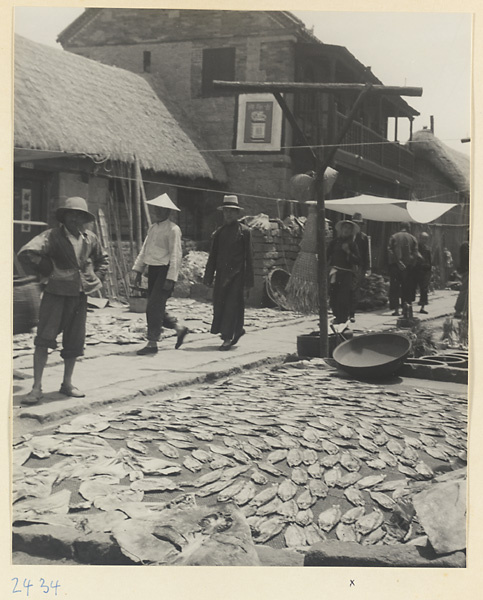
32, 397
225, 346
181, 335
237, 336
147, 350
72, 391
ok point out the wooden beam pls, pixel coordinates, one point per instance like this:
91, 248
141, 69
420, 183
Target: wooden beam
293, 122
288, 86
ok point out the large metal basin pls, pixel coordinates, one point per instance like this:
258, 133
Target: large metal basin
373, 356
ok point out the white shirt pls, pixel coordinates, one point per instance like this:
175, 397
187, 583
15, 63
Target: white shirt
162, 246
77, 242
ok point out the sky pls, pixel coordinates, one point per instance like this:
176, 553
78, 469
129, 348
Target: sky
428, 50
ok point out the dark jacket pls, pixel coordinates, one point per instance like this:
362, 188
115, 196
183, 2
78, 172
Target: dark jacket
231, 253
339, 258
52, 255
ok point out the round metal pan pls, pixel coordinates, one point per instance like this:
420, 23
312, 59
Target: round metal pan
373, 356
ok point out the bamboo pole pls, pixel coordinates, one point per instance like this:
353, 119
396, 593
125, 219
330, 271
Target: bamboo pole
140, 183
137, 211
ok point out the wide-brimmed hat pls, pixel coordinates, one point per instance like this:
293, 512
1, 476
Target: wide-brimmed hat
230, 202
163, 201
355, 227
75, 203
357, 218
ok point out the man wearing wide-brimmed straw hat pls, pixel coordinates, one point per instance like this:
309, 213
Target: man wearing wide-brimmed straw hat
72, 262
161, 254
342, 258
230, 265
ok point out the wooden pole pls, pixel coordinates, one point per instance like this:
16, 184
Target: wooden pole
139, 181
137, 212
284, 86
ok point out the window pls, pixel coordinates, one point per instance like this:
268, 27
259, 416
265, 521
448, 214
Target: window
218, 63
147, 61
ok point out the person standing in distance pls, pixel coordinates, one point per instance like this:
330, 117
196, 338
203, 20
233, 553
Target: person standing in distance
362, 242
161, 254
402, 254
422, 271
72, 263
230, 265
461, 306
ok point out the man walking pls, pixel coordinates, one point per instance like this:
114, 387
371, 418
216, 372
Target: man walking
362, 242
161, 254
402, 254
71, 261
231, 259
422, 271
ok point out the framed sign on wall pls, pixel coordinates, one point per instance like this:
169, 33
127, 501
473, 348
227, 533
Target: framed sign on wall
259, 123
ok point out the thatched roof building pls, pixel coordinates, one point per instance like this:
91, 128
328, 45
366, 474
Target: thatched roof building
70, 104
454, 165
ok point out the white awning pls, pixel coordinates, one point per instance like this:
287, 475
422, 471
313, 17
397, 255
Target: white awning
390, 210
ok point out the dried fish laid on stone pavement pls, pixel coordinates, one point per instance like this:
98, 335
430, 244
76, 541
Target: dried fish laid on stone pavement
349, 462
219, 461
329, 518
318, 488
369, 522
388, 458
382, 499
249, 449
258, 477
270, 508
155, 484
374, 537
305, 500
370, 481
246, 493
287, 489
265, 496
353, 514
269, 528
299, 476
309, 457
207, 478
315, 470
394, 447
213, 488
304, 517
330, 460
436, 452
288, 509
294, 457
295, 536
231, 491
192, 464
424, 470
314, 534
376, 464
333, 476
354, 496
221, 450
277, 455
346, 532
269, 468
348, 479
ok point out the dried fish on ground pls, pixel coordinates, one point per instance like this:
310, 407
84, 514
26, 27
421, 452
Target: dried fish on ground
299, 476
265, 496
288, 509
369, 522
269, 468
311, 435
304, 517
318, 488
155, 484
305, 500
277, 455
374, 537
294, 457
309, 457
221, 450
388, 458
380, 439
329, 447
295, 536
405, 470
333, 476
370, 481
231, 491
258, 477
437, 453
349, 462
192, 464
355, 496
233, 472
287, 489
382, 499
213, 488
329, 518
390, 430
331, 460
346, 532
221, 461
376, 464
368, 445
315, 470
137, 446
241, 456
245, 494
394, 447
202, 455
269, 528
270, 508
207, 478
352, 515
348, 479
345, 432
253, 452
424, 470
314, 534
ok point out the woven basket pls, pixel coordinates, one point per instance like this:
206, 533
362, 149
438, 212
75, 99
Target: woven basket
26, 303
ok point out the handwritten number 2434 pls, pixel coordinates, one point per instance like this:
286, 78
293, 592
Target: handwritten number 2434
27, 584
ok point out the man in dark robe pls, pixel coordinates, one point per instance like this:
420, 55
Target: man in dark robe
461, 306
422, 271
342, 258
230, 265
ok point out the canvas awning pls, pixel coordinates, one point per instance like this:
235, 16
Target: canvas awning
390, 210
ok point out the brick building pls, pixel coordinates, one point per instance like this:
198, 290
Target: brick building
181, 52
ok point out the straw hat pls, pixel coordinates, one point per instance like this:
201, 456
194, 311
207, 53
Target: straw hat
230, 202
75, 203
163, 201
355, 227
357, 218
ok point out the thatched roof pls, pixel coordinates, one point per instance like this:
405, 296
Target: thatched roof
68, 103
451, 163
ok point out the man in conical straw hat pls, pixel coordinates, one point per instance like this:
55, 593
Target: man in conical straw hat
161, 254
71, 261
230, 265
